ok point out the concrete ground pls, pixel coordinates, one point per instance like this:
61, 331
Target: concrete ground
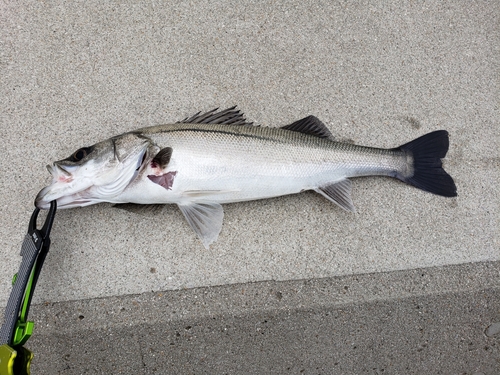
408, 284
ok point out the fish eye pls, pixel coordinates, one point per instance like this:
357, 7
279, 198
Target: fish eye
80, 153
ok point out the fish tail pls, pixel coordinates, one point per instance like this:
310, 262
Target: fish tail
428, 173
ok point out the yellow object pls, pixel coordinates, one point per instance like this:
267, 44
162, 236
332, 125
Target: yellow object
15, 361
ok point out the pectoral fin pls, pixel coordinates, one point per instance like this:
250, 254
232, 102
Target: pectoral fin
205, 218
206, 193
162, 158
338, 193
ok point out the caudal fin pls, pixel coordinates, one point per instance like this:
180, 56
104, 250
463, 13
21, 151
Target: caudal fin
428, 174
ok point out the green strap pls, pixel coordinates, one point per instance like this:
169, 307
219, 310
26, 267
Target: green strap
24, 328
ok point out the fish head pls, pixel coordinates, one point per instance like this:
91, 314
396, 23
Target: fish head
97, 173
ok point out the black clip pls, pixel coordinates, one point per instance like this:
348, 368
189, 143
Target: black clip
41, 240
16, 328
41, 236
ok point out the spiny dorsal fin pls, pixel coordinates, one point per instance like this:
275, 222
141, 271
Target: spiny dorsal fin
230, 116
162, 158
310, 125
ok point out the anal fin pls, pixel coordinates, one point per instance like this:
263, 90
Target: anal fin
205, 218
338, 193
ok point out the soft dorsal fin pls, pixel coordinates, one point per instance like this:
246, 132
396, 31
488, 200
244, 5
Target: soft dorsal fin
230, 116
162, 158
310, 125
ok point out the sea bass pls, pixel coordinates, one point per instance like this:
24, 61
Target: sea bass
213, 158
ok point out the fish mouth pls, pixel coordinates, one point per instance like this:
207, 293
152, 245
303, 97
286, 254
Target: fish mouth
63, 188
57, 169
43, 199
70, 191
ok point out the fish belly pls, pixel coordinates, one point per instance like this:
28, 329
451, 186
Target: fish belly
209, 179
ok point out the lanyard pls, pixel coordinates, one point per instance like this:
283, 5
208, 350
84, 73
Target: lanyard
16, 329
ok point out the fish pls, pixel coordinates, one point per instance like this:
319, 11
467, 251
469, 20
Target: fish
217, 157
